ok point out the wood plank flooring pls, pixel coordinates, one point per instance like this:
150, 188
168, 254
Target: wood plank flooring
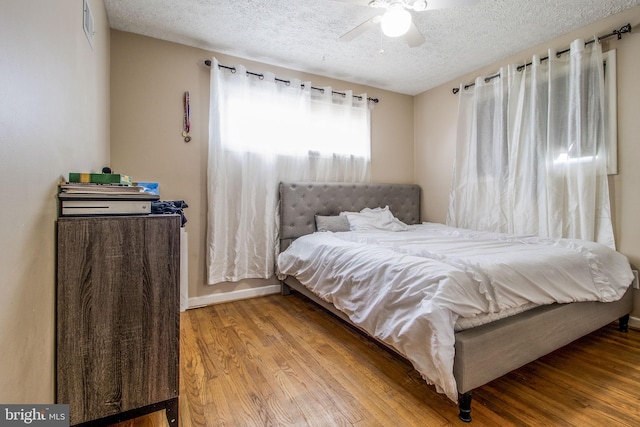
283, 361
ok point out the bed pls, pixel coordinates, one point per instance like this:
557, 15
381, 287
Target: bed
480, 353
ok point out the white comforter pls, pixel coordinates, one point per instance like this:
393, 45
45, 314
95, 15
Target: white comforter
408, 288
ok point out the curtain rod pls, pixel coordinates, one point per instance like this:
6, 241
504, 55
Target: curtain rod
287, 82
618, 33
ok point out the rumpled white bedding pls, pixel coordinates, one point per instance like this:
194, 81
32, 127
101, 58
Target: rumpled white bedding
408, 288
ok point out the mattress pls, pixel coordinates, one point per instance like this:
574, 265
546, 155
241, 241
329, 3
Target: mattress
464, 323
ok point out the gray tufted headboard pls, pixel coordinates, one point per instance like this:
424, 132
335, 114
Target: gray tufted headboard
301, 201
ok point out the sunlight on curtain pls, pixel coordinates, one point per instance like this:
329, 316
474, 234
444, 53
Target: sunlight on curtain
530, 153
262, 132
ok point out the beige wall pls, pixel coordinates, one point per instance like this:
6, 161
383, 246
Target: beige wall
435, 113
148, 80
54, 118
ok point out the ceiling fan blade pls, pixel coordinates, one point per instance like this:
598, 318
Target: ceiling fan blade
444, 4
414, 37
350, 35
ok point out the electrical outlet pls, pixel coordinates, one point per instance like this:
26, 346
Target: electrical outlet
635, 283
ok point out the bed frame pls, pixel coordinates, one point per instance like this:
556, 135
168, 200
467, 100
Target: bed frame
515, 341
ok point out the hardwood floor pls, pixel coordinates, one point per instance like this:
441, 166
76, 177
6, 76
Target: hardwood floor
282, 361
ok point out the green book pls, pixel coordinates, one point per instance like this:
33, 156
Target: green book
100, 178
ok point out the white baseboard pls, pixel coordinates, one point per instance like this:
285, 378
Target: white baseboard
634, 322
196, 302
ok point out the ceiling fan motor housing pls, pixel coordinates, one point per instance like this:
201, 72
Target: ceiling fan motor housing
417, 5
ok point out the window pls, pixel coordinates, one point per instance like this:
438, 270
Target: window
273, 122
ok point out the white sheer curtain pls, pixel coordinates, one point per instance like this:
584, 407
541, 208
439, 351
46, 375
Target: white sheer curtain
261, 132
530, 153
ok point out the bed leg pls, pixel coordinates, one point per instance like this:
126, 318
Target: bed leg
623, 323
285, 289
464, 404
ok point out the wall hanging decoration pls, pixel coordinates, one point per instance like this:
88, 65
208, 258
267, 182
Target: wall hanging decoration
186, 123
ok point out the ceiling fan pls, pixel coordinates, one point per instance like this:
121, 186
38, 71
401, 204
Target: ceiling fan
396, 20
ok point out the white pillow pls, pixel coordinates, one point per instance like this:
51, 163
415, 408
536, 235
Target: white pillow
374, 219
332, 223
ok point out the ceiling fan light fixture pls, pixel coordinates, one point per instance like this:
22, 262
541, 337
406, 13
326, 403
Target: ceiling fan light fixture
396, 22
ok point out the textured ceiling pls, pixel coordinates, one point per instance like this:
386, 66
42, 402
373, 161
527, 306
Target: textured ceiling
303, 34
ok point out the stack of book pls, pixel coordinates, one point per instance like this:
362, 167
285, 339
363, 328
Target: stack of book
89, 198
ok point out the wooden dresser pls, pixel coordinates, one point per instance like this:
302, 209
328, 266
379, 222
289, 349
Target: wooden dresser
118, 318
